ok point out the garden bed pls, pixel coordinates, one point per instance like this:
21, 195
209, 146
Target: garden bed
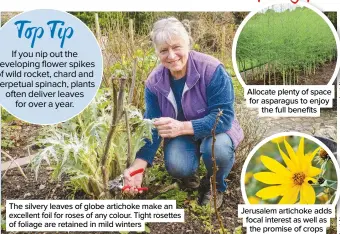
16, 187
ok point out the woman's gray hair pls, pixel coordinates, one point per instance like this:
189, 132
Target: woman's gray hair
165, 29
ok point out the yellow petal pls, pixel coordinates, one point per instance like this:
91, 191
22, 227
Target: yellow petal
275, 166
247, 177
287, 161
271, 178
312, 155
270, 192
278, 139
254, 200
292, 155
305, 163
301, 151
307, 194
301, 155
313, 171
290, 195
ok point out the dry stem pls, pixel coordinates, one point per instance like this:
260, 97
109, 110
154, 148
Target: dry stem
129, 153
13, 161
213, 177
116, 115
133, 81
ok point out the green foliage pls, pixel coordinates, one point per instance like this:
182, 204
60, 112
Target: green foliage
238, 230
6, 117
159, 178
238, 91
147, 229
175, 194
10, 135
75, 147
332, 16
7, 140
157, 175
7, 143
284, 43
145, 60
203, 214
3, 219
3, 223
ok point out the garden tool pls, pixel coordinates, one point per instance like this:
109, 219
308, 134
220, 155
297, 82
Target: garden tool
118, 183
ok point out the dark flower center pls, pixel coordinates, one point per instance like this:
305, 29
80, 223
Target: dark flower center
299, 178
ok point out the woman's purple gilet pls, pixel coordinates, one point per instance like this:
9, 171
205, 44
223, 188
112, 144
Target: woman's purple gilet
200, 70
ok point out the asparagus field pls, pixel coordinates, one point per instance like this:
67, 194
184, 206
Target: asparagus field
286, 47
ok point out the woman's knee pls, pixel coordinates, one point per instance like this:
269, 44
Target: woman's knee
181, 156
223, 150
179, 170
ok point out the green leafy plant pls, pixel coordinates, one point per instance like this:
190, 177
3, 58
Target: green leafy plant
8, 130
7, 143
202, 213
276, 50
6, 117
3, 218
3, 224
74, 148
175, 194
157, 176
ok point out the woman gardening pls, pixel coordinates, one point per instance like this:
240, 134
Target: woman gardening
184, 94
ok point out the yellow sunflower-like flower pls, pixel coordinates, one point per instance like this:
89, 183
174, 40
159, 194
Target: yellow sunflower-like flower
292, 180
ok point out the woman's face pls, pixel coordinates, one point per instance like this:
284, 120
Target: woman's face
174, 56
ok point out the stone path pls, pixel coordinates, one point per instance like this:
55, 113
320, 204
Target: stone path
325, 125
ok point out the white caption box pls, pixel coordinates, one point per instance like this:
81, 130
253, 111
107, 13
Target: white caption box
289, 101
88, 215
286, 218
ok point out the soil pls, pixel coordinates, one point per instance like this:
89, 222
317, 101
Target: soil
321, 77
17, 137
16, 187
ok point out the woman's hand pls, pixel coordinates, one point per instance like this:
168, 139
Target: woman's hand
170, 128
134, 181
